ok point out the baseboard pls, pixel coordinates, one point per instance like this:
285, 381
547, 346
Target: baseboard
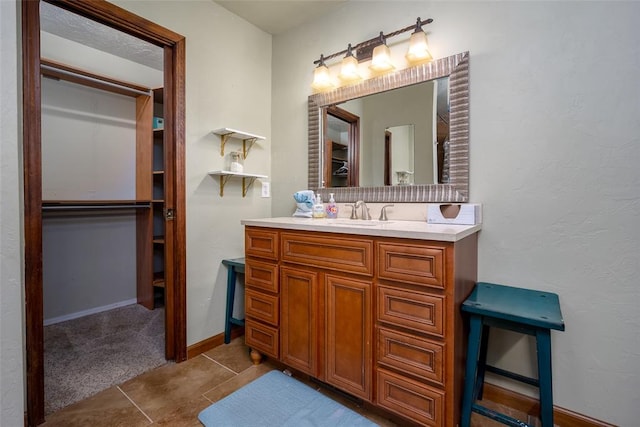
212, 342
561, 417
93, 310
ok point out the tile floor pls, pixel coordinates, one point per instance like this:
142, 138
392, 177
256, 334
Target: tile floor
174, 394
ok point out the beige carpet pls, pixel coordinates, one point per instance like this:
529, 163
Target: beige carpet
87, 355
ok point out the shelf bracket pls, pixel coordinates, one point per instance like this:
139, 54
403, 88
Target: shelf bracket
223, 182
245, 186
223, 141
245, 148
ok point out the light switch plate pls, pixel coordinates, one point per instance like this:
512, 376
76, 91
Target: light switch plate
266, 189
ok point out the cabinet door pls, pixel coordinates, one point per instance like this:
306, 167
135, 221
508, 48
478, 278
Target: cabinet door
298, 322
348, 335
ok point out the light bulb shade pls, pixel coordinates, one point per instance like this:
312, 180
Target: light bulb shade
349, 70
418, 48
321, 78
381, 59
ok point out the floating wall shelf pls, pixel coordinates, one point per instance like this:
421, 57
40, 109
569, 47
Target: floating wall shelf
247, 179
248, 139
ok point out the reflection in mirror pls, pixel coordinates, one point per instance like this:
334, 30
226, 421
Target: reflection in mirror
441, 134
341, 147
424, 106
399, 144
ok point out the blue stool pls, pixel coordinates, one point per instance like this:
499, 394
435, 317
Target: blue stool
516, 309
234, 266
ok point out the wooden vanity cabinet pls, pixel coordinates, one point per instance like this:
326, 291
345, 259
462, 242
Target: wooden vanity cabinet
420, 345
326, 311
262, 294
378, 318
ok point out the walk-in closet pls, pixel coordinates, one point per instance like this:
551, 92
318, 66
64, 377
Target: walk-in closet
103, 251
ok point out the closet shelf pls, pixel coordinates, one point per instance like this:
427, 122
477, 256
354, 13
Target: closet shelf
246, 137
158, 279
247, 179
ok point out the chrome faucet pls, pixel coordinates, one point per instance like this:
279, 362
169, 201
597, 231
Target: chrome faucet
365, 210
383, 212
354, 212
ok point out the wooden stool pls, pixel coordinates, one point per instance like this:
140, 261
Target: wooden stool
234, 266
521, 310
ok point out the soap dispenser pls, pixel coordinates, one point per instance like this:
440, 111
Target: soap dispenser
318, 207
332, 208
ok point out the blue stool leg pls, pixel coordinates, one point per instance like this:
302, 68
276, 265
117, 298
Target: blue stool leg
231, 292
482, 363
471, 369
543, 345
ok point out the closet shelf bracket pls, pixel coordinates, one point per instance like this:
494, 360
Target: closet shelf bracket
248, 139
247, 179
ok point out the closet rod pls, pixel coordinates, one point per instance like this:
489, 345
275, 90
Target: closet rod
51, 69
95, 207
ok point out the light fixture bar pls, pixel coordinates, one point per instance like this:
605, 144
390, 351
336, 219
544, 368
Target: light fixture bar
371, 43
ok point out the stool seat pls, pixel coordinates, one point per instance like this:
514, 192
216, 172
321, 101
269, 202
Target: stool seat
234, 266
521, 310
525, 306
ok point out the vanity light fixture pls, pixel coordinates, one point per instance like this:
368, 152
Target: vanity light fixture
381, 59
349, 68
321, 76
377, 51
418, 48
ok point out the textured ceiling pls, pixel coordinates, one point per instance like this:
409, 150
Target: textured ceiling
81, 30
271, 16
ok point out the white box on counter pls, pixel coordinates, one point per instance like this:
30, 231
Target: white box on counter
454, 213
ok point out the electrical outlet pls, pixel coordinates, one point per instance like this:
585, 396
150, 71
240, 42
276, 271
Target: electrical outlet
266, 189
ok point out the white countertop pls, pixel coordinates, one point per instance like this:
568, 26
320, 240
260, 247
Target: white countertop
402, 229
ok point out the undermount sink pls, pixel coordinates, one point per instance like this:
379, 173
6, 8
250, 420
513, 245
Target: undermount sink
356, 222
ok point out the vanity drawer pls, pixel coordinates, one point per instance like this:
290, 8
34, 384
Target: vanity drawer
262, 338
329, 252
410, 309
410, 398
410, 354
261, 306
261, 243
415, 264
261, 275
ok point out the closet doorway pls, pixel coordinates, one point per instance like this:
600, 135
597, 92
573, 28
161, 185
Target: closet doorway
174, 197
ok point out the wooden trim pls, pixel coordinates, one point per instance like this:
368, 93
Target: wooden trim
353, 157
212, 342
32, 155
530, 406
174, 45
175, 231
121, 19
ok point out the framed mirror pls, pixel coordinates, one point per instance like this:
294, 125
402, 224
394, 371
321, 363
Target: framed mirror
455, 185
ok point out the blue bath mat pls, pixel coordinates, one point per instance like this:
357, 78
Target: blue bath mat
276, 400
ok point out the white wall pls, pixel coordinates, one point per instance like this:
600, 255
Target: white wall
88, 153
228, 84
11, 283
88, 143
555, 148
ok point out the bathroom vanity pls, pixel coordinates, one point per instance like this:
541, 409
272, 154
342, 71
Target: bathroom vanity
369, 307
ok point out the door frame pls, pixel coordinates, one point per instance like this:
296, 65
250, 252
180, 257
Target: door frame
174, 109
353, 136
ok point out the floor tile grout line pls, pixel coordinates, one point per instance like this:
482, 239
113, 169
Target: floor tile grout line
134, 404
225, 367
